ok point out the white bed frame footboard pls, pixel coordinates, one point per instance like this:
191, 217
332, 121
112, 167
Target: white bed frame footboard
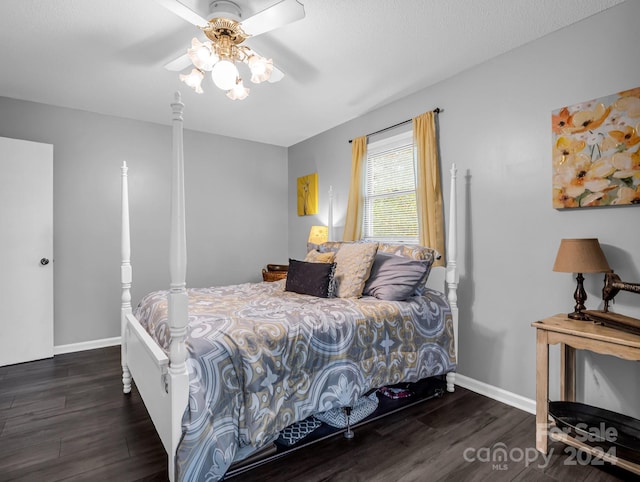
163, 381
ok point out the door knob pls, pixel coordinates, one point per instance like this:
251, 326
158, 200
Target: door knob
44, 261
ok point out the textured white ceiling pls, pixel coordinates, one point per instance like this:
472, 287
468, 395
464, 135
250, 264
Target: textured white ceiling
345, 58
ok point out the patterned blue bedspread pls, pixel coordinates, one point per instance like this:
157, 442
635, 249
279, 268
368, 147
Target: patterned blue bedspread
261, 358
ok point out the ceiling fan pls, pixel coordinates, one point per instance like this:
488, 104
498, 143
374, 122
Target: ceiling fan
224, 46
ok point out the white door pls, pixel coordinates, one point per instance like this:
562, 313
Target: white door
26, 251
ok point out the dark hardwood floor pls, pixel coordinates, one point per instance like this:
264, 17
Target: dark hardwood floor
66, 419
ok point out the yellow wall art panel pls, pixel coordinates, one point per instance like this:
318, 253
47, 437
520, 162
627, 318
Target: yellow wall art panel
308, 195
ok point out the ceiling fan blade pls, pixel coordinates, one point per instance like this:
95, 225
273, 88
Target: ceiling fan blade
276, 75
181, 10
178, 64
278, 15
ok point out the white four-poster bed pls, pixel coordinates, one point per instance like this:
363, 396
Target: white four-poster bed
162, 373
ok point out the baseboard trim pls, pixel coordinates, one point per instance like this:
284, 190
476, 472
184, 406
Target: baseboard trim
86, 345
499, 394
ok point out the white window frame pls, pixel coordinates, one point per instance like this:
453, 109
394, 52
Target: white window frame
390, 143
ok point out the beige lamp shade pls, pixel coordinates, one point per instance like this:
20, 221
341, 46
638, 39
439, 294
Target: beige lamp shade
580, 256
318, 234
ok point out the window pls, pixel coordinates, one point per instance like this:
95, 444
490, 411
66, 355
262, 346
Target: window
390, 212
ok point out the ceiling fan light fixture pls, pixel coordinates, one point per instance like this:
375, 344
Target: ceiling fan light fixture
201, 55
260, 67
194, 80
239, 91
225, 31
224, 74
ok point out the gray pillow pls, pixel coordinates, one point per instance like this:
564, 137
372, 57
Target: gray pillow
394, 278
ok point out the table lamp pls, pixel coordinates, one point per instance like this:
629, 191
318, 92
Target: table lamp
580, 256
318, 234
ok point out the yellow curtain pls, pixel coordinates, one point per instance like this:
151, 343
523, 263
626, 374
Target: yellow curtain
429, 191
353, 221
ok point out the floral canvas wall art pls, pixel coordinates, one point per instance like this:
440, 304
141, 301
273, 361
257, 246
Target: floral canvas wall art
596, 152
308, 194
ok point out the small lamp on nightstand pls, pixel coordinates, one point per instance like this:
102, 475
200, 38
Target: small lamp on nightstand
580, 256
318, 234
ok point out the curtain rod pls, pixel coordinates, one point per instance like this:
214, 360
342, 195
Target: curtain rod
437, 110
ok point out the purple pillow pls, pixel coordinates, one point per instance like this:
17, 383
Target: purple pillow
395, 278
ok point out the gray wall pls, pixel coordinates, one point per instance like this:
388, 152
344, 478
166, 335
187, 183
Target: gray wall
241, 206
496, 126
236, 209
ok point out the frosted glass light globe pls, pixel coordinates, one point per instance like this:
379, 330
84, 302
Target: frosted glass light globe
224, 74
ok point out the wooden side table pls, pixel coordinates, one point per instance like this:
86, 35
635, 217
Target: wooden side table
575, 335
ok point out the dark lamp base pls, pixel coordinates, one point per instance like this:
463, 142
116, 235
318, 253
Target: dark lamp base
578, 315
580, 296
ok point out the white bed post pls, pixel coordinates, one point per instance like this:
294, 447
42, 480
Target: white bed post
330, 215
452, 275
125, 278
178, 298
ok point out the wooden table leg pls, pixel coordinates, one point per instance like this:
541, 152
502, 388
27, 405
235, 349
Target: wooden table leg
542, 390
567, 373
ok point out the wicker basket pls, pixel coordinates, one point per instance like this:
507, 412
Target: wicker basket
273, 275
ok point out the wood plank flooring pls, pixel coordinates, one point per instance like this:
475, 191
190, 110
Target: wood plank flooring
66, 419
